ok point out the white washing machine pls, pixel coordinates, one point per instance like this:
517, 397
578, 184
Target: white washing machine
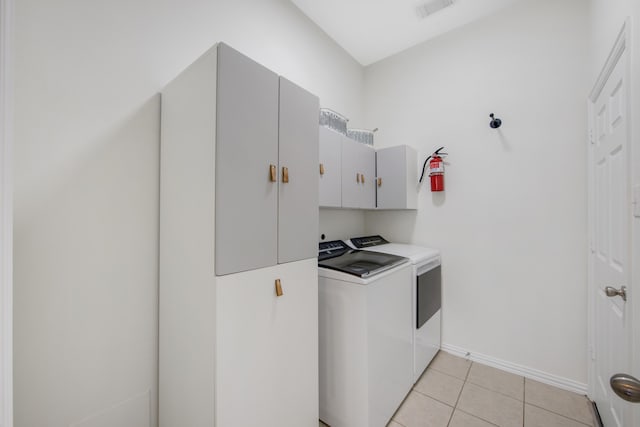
426, 295
366, 350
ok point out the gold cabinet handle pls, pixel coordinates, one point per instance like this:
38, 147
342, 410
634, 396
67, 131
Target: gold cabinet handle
278, 288
358, 178
379, 182
285, 174
273, 171
321, 169
362, 177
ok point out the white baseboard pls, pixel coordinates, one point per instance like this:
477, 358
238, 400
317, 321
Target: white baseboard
533, 374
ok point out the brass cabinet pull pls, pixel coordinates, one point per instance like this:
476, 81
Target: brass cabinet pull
362, 177
321, 169
285, 174
379, 182
358, 178
272, 173
278, 288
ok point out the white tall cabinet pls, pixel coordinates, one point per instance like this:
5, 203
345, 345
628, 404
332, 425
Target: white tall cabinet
238, 227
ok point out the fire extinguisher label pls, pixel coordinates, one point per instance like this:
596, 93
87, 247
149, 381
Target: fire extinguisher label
436, 168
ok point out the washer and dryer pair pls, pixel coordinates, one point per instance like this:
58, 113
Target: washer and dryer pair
379, 318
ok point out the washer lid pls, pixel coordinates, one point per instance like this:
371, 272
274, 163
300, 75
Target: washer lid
417, 254
362, 263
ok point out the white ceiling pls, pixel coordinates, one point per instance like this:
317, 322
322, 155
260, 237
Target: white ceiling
374, 29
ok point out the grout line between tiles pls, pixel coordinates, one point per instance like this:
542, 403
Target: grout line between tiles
480, 418
455, 406
493, 391
440, 372
553, 412
394, 420
445, 373
433, 398
467, 381
451, 417
460, 393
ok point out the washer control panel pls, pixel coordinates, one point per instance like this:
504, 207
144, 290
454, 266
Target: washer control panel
368, 241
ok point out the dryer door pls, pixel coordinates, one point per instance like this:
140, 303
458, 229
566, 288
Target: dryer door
429, 293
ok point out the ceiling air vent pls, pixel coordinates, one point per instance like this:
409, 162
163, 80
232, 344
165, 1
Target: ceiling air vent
430, 7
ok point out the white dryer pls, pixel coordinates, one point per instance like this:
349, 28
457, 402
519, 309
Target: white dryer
366, 349
426, 295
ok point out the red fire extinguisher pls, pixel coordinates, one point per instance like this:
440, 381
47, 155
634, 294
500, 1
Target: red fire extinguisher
436, 169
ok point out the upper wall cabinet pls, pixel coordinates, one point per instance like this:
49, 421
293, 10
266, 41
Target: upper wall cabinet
266, 158
354, 175
396, 183
358, 175
330, 168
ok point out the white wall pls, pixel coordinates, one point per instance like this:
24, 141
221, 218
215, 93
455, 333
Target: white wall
341, 224
6, 214
512, 222
86, 175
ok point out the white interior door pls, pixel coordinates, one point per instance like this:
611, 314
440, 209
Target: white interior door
610, 237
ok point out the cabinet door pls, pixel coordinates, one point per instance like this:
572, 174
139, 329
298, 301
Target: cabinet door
298, 188
358, 173
367, 178
390, 164
246, 145
267, 347
351, 170
396, 169
330, 161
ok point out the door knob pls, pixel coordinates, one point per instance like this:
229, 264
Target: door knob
613, 292
626, 387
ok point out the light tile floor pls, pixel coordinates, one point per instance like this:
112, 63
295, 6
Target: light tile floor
454, 392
